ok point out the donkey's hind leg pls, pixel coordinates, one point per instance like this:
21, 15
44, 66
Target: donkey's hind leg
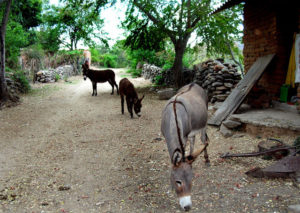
205, 139
192, 143
122, 104
114, 82
112, 86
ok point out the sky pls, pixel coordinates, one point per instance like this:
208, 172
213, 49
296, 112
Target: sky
112, 20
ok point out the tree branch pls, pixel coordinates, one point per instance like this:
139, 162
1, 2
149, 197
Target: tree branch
156, 21
233, 58
188, 24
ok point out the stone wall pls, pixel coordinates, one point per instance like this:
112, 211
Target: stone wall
166, 77
49, 75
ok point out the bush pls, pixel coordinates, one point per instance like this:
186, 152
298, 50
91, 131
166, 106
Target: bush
109, 60
135, 72
19, 77
56, 77
96, 57
159, 80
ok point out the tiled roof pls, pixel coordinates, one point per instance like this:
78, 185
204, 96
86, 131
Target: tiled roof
227, 4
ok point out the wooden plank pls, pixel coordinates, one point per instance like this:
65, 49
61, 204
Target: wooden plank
234, 100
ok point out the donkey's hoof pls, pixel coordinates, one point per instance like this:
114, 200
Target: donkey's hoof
207, 164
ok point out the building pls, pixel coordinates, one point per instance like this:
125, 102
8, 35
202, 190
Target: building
269, 27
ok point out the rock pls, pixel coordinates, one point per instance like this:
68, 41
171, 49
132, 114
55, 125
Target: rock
166, 94
139, 65
64, 188
39, 73
294, 208
217, 84
152, 89
48, 76
221, 88
213, 76
231, 124
221, 97
225, 131
217, 92
228, 85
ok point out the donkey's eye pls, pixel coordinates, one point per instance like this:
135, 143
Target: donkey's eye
179, 183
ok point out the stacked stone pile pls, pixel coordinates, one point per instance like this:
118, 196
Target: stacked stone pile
167, 77
218, 78
48, 76
150, 71
13, 87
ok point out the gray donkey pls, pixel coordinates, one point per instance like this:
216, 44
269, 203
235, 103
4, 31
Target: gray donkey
183, 117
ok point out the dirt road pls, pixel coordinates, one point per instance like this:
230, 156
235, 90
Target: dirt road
63, 150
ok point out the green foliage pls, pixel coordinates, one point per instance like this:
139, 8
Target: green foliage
16, 38
168, 65
78, 20
24, 16
65, 56
121, 56
141, 55
20, 78
34, 52
142, 34
221, 30
49, 38
109, 60
56, 77
158, 80
27, 12
135, 72
96, 56
214, 31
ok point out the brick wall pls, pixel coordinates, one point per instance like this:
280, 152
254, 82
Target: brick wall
268, 29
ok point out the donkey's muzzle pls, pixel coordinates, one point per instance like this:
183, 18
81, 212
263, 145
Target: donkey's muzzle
185, 203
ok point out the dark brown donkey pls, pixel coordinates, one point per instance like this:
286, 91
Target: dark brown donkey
132, 100
183, 117
99, 76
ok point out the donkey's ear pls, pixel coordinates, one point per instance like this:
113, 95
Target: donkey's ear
142, 98
177, 158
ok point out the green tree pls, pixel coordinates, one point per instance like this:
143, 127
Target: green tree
79, 20
3, 87
178, 20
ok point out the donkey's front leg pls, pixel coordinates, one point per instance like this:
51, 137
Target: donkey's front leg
122, 104
205, 139
94, 88
129, 106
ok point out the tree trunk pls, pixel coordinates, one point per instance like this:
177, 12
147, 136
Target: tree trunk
177, 68
3, 87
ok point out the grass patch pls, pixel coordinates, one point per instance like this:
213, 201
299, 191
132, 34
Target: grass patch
44, 90
73, 82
